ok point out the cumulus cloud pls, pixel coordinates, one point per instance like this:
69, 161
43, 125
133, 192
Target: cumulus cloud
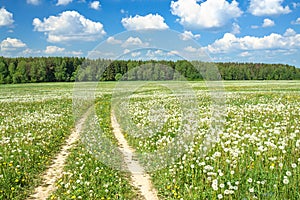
63, 2
289, 32
297, 21
290, 39
33, 2
267, 7
190, 49
11, 44
112, 40
188, 35
207, 15
236, 29
134, 41
149, 21
268, 23
53, 49
69, 26
135, 54
296, 5
95, 5
6, 18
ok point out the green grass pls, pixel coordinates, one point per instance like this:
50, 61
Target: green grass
257, 155
89, 174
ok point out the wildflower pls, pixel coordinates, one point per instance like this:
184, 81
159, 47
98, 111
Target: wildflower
251, 190
250, 180
288, 173
294, 165
286, 181
220, 196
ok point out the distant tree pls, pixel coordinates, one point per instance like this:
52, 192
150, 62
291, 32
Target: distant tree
118, 76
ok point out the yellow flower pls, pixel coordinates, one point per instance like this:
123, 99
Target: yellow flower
73, 197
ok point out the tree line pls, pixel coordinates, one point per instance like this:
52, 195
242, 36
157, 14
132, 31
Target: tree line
66, 69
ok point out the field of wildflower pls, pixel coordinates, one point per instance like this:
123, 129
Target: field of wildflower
255, 156
257, 153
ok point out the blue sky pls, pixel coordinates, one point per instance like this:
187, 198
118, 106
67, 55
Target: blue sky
244, 31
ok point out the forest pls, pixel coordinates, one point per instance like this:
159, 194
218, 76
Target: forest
66, 69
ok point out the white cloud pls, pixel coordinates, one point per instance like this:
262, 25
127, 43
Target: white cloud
95, 5
11, 44
63, 2
53, 49
267, 7
149, 21
134, 41
6, 18
297, 21
173, 52
207, 15
126, 51
69, 26
236, 29
289, 32
268, 23
190, 49
295, 5
135, 54
244, 54
112, 40
33, 2
230, 42
188, 35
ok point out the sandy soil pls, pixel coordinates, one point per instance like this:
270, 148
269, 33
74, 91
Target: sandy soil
55, 171
140, 179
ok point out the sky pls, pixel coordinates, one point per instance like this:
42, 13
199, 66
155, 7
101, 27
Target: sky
225, 31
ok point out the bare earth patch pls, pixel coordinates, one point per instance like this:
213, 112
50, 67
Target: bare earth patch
140, 179
55, 171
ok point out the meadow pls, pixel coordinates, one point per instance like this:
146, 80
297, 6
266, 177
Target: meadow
256, 154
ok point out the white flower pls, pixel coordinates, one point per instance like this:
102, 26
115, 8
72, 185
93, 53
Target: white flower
226, 192
222, 185
251, 190
280, 165
220, 196
250, 180
288, 173
294, 165
285, 181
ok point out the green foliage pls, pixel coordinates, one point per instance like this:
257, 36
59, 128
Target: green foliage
65, 69
118, 76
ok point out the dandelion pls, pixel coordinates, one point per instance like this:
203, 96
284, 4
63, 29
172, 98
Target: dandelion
288, 173
294, 165
286, 181
251, 190
250, 180
226, 192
